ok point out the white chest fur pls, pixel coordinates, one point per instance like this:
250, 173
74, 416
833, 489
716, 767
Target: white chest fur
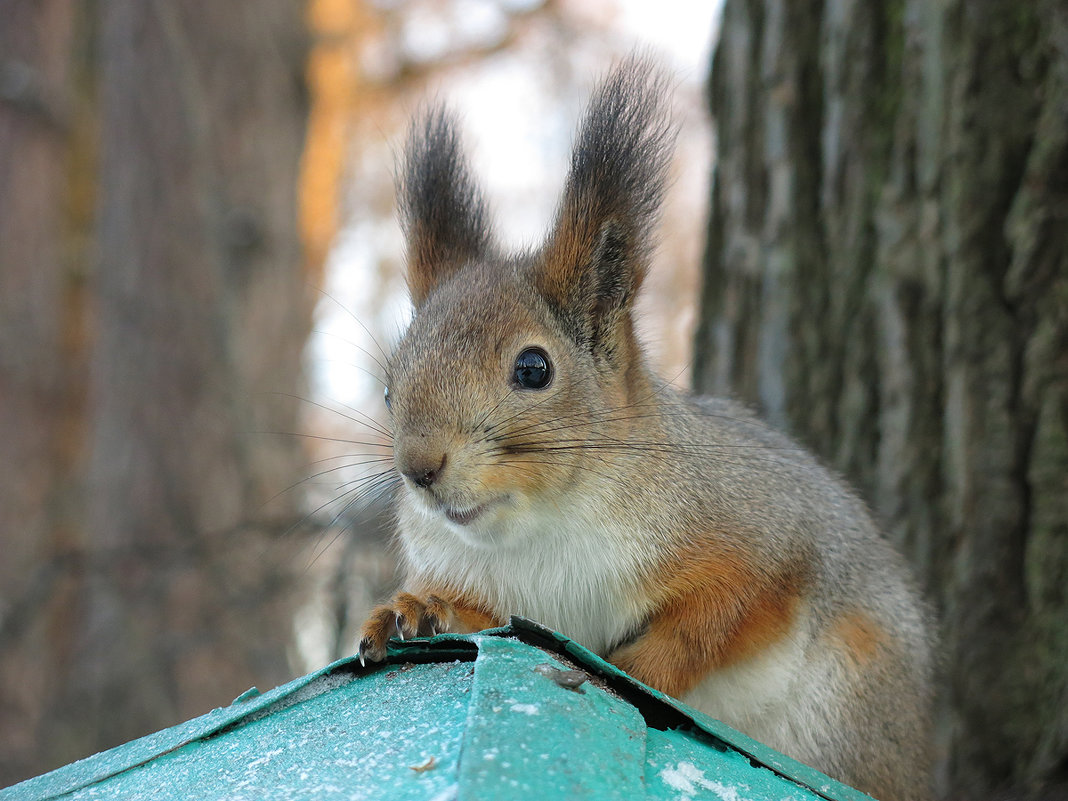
783, 696
570, 571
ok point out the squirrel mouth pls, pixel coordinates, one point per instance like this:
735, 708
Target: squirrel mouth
465, 516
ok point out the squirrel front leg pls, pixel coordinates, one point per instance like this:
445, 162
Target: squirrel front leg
430, 611
712, 613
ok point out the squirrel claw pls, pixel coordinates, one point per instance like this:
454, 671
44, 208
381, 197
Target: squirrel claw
367, 653
380, 626
405, 617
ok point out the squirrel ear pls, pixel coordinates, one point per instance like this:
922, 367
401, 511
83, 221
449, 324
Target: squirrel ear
443, 212
597, 254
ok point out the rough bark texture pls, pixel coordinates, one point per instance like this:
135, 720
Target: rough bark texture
887, 277
141, 557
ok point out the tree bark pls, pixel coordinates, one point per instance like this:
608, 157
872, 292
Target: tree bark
140, 471
887, 277
43, 172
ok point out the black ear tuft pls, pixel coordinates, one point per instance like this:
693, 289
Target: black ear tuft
443, 212
597, 255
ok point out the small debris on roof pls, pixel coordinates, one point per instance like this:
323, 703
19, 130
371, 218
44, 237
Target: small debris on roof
568, 679
428, 765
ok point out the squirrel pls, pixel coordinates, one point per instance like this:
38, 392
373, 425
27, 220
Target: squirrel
547, 472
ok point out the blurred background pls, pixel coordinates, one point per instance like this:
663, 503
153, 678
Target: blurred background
866, 239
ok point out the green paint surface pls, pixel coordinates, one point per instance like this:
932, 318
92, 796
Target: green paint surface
350, 739
528, 737
678, 766
455, 718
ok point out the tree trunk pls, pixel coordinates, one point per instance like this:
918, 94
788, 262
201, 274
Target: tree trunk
887, 277
42, 359
144, 484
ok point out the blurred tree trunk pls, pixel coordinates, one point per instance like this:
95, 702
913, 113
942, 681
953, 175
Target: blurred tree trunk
136, 467
887, 277
42, 362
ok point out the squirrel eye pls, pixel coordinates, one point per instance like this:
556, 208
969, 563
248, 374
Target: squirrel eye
385, 397
532, 369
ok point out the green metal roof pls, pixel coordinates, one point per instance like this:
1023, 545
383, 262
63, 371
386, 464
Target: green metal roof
483, 716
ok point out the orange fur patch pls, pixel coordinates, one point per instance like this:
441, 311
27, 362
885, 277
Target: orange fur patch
713, 609
862, 637
468, 613
469, 620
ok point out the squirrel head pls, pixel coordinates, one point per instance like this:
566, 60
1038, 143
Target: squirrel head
514, 364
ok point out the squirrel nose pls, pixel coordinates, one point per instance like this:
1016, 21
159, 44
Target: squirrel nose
422, 474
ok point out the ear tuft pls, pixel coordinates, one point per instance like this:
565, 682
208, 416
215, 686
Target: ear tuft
597, 254
443, 211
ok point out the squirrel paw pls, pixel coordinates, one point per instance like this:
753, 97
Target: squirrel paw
404, 617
